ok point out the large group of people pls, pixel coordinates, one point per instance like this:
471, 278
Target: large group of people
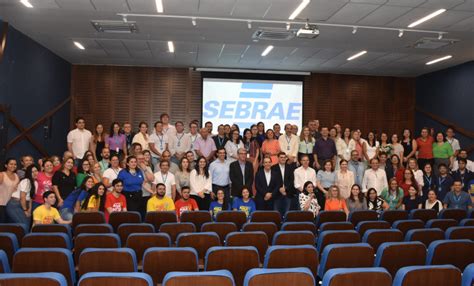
168, 169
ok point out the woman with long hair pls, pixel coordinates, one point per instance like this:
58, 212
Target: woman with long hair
306, 145
201, 184
409, 146
18, 207
74, 201
356, 201
344, 179
45, 183
64, 181
142, 136
112, 172
442, 152
429, 179
334, 201
374, 202
95, 200
385, 145
395, 168
432, 202
245, 204
326, 177
271, 146
97, 142
220, 204
393, 195
372, 145
233, 145
253, 149
412, 201
133, 182
407, 182
397, 147
342, 145
116, 141
308, 200
84, 170
412, 165
182, 176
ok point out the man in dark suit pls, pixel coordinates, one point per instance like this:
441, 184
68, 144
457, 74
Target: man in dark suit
241, 174
267, 183
282, 200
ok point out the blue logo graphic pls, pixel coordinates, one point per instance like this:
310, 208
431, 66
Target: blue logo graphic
264, 90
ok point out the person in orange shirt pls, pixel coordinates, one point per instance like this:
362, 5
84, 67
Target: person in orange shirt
334, 201
424, 148
185, 204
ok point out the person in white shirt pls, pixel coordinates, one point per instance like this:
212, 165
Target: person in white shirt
78, 140
194, 134
289, 144
168, 129
374, 178
304, 174
166, 178
412, 165
360, 145
453, 141
179, 144
158, 142
111, 173
219, 171
200, 181
345, 179
141, 137
463, 155
232, 146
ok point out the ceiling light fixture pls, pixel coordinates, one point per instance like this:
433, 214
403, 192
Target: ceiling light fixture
357, 55
267, 50
354, 30
440, 36
400, 33
426, 18
194, 21
288, 26
249, 25
439, 60
79, 45
298, 9
159, 6
26, 3
170, 47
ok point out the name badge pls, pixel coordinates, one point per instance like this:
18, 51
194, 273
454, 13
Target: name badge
288, 148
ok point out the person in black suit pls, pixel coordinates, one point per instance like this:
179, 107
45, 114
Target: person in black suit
241, 174
267, 183
282, 200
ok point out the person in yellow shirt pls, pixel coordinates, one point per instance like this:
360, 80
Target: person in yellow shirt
159, 202
46, 214
95, 200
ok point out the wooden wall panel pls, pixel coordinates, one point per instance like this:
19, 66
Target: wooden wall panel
107, 93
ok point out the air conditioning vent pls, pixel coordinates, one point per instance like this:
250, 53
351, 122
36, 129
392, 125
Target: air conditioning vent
433, 43
273, 34
120, 27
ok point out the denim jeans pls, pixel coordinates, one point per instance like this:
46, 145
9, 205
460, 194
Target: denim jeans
16, 214
282, 205
66, 213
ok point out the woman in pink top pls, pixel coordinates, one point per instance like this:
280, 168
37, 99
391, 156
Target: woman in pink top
8, 183
45, 183
116, 142
271, 147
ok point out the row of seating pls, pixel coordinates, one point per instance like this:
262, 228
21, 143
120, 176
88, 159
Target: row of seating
393, 258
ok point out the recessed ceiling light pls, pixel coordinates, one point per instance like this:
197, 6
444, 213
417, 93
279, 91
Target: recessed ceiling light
400, 33
298, 9
79, 45
426, 18
26, 3
170, 47
354, 30
193, 21
159, 6
438, 60
356, 55
267, 50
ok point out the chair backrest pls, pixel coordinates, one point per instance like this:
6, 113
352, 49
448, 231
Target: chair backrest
375, 237
337, 236
257, 239
363, 215
218, 277
395, 255
87, 217
43, 279
301, 237
330, 216
94, 240
237, 217
363, 226
64, 228
373, 276
290, 256
269, 228
443, 224
470, 213
157, 261
298, 216
467, 222
341, 225
425, 236
107, 260
140, 242
159, 218
47, 239
458, 252
299, 225
200, 241
221, 228
34, 260
423, 214
266, 216
460, 232
346, 256
456, 214
4, 264
93, 228
405, 225
125, 229
9, 244
281, 276
468, 275
429, 275
238, 260
118, 218
173, 229
198, 218
391, 216
18, 229
111, 278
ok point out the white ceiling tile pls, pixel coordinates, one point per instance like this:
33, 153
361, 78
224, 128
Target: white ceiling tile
376, 2
352, 12
293, 60
407, 3
45, 4
447, 19
212, 7
384, 15
114, 48
142, 6
438, 4
468, 5
250, 8
180, 7
412, 16
231, 49
312, 62
317, 10
326, 54
464, 25
229, 59
76, 5
111, 5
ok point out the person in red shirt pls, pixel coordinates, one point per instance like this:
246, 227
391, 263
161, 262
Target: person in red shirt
185, 203
424, 148
115, 201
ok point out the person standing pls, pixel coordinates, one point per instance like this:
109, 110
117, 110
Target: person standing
356, 166
9, 181
97, 142
219, 171
271, 146
424, 146
453, 141
111, 173
45, 183
141, 137
286, 192
233, 145
167, 178
289, 144
344, 179
182, 175
374, 177
64, 181
444, 182
306, 145
205, 146
442, 152
179, 143
201, 184
241, 174
133, 179
168, 129
158, 143
128, 133
267, 185
463, 174
78, 140
220, 139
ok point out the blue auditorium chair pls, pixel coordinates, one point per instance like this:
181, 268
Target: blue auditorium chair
111, 278
373, 276
342, 255
395, 255
43, 279
218, 277
291, 256
430, 275
107, 260
280, 276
